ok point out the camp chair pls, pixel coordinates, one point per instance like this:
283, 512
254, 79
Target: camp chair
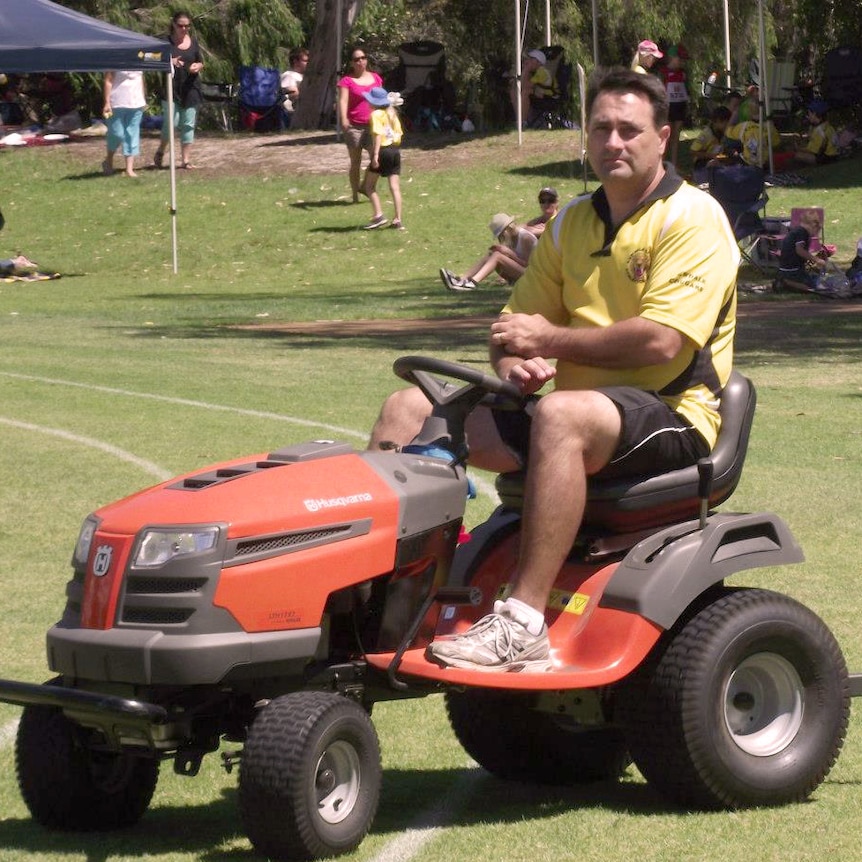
842, 78
220, 98
740, 189
260, 99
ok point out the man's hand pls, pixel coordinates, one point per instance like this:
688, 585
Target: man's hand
529, 376
525, 335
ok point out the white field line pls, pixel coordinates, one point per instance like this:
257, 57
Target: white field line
7, 733
147, 466
482, 485
433, 821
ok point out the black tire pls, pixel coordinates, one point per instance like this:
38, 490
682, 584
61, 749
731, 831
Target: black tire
504, 735
310, 776
746, 703
68, 786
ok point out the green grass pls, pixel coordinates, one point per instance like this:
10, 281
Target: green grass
122, 352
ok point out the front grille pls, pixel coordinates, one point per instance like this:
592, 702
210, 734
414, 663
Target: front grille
157, 616
164, 586
269, 544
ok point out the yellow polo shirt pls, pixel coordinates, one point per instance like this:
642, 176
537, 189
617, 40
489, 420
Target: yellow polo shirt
673, 260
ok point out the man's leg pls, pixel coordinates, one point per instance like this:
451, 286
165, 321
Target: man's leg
402, 416
574, 435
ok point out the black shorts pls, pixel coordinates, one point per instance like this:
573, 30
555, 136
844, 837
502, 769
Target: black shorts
677, 112
389, 161
653, 440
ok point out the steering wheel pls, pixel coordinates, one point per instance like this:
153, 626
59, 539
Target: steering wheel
419, 370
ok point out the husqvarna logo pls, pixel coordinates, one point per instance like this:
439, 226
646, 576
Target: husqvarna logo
102, 560
315, 505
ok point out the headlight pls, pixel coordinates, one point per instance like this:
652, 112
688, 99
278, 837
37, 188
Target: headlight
158, 547
85, 539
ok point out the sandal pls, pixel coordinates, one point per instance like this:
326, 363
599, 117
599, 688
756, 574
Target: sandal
188, 166
158, 158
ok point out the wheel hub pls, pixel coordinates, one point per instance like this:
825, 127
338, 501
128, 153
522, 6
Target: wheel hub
337, 781
763, 704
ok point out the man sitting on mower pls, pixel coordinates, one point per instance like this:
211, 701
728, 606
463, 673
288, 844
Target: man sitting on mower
632, 291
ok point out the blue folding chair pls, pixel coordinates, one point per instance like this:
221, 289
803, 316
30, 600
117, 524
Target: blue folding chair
260, 99
741, 191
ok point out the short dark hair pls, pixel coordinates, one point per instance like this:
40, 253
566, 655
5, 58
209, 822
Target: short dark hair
296, 53
618, 79
720, 113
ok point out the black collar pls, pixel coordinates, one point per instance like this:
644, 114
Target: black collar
670, 183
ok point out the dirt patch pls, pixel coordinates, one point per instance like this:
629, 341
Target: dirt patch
772, 317
303, 153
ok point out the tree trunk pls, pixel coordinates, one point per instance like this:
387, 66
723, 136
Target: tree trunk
316, 108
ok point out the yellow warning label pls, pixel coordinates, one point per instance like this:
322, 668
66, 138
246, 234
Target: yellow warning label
578, 604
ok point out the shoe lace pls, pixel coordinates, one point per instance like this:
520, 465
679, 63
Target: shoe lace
499, 629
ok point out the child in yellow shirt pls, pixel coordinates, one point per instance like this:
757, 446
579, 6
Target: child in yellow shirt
386, 134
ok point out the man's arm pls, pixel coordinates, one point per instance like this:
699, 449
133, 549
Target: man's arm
631, 343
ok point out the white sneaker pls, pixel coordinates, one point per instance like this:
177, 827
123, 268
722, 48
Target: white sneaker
497, 642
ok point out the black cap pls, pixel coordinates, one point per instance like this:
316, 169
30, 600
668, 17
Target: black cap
550, 192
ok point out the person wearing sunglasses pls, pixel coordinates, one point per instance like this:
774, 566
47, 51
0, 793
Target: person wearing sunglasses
187, 62
354, 113
549, 203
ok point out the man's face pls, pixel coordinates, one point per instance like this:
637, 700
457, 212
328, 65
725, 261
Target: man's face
623, 144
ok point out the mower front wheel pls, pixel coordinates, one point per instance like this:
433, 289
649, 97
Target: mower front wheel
310, 776
68, 785
746, 704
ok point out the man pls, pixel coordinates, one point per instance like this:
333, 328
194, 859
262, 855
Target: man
632, 292
292, 79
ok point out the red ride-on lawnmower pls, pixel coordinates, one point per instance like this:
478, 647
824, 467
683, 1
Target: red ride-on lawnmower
272, 600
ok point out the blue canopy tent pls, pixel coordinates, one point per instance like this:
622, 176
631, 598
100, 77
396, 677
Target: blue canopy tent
42, 36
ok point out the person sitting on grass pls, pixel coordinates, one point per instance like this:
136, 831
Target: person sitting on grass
821, 145
797, 264
507, 257
549, 203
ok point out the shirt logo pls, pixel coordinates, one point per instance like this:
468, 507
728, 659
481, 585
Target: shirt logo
638, 265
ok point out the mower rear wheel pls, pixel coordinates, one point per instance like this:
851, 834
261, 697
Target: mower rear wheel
67, 785
505, 735
747, 704
310, 776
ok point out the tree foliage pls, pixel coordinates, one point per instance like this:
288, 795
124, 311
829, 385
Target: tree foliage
479, 37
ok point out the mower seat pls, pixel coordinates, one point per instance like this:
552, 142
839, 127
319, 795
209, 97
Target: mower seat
643, 502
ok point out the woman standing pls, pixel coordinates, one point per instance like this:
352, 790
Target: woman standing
188, 62
125, 101
354, 112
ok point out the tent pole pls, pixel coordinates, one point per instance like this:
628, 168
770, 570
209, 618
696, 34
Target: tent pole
726, 45
173, 164
518, 112
595, 33
764, 90
548, 22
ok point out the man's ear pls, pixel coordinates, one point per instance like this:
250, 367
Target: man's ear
664, 135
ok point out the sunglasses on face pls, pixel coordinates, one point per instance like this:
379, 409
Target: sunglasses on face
547, 200
357, 59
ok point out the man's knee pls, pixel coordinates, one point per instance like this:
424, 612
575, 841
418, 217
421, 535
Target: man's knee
580, 419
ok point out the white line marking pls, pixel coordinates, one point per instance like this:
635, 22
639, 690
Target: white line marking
147, 466
7, 733
185, 402
482, 485
431, 822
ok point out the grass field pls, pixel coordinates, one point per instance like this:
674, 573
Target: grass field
120, 374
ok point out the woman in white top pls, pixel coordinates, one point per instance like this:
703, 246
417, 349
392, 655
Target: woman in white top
125, 100
508, 257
